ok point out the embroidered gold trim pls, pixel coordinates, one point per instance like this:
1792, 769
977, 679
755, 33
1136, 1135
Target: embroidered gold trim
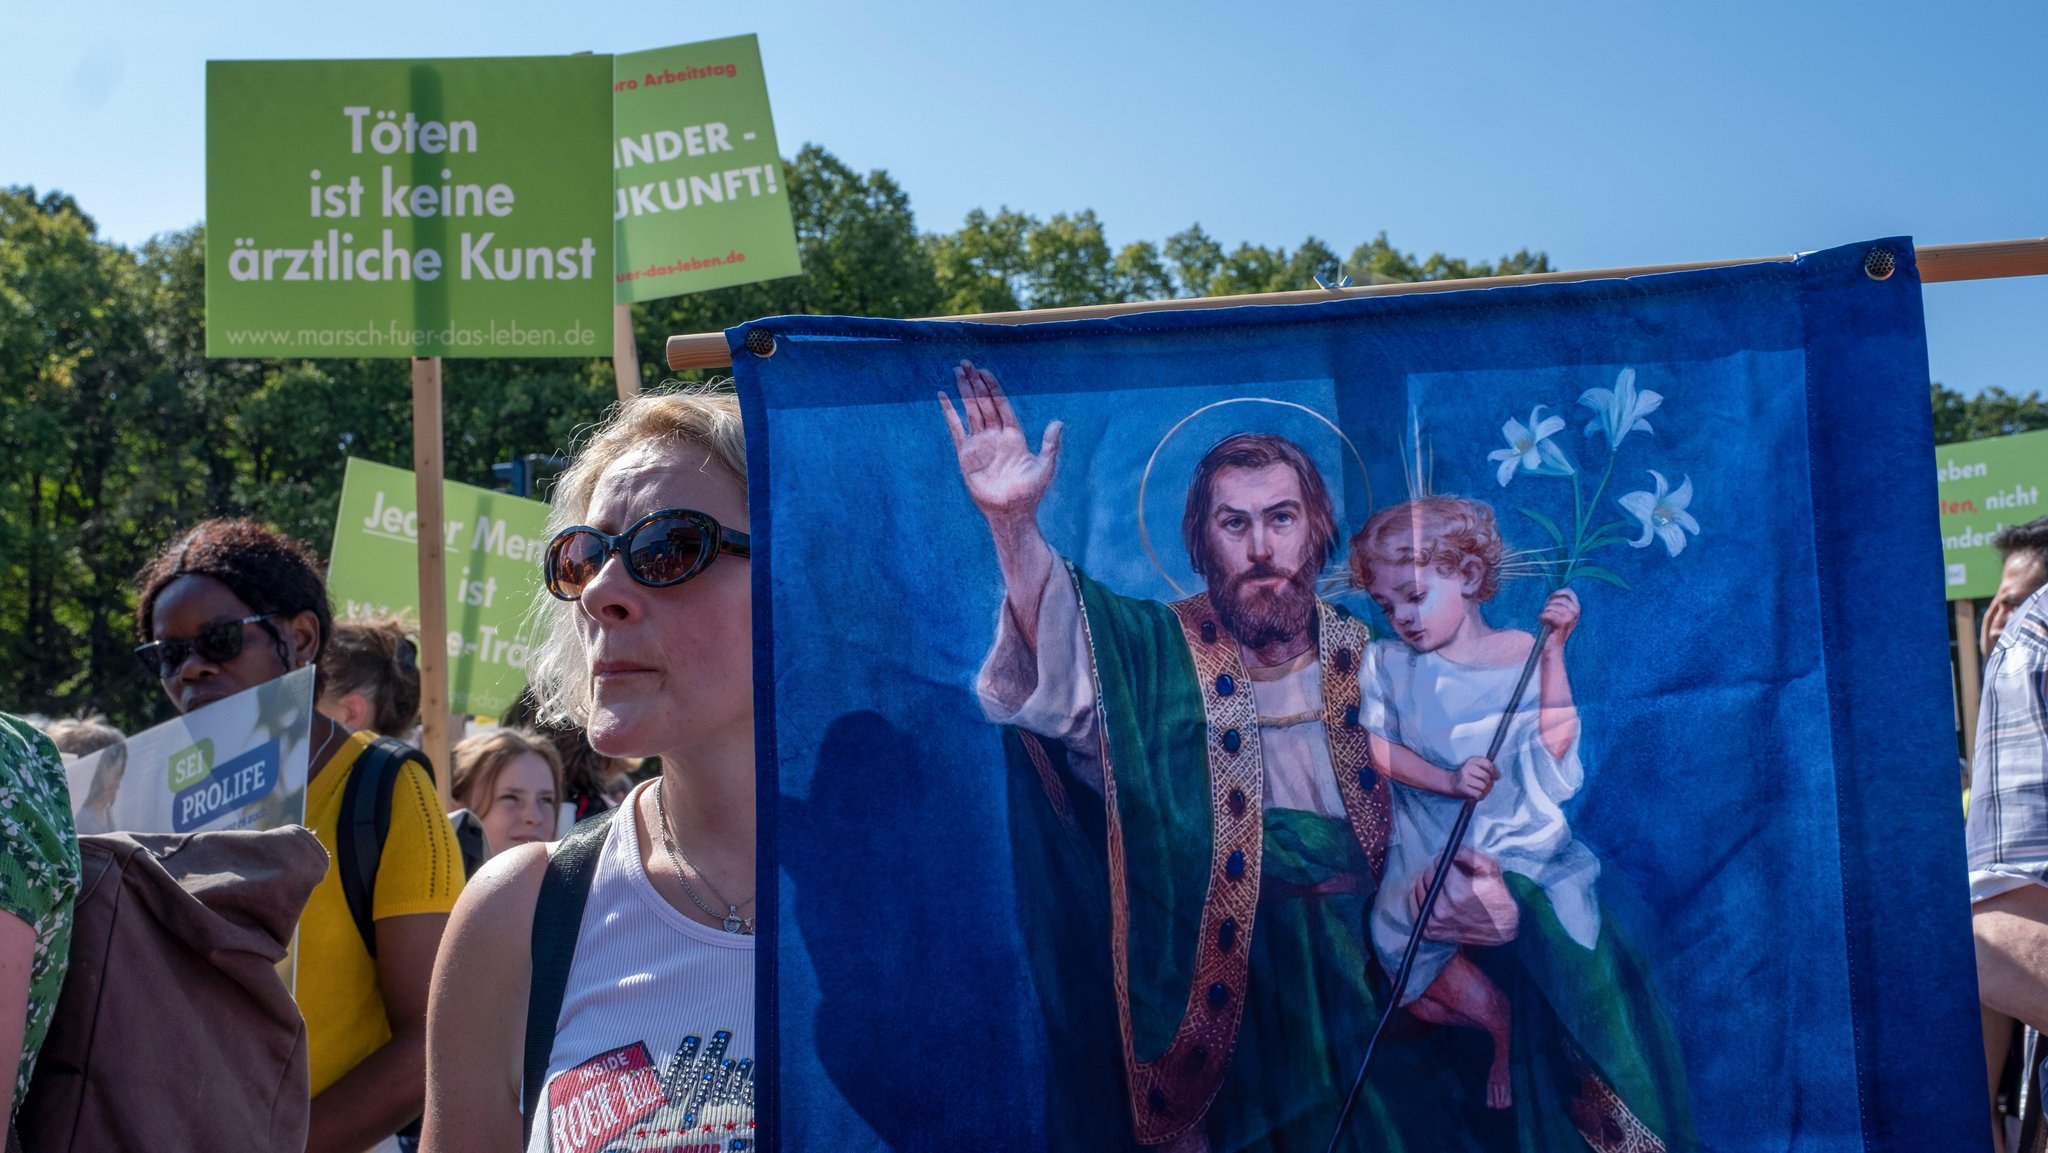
1341, 647
1171, 1093
1048, 778
1603, 1118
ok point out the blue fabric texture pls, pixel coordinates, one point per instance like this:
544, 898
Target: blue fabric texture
1759, 672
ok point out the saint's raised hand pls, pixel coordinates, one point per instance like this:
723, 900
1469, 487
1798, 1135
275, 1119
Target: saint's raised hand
1004, 477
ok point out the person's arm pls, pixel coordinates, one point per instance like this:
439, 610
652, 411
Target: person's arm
476, 1016
385, 1092
17, 955
1470, 781
1006, 481
1558, 719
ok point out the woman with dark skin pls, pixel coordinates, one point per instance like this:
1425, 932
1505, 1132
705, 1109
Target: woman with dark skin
225, 576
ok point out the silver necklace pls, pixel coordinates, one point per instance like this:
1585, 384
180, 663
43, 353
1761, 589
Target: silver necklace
730, 920
319, 756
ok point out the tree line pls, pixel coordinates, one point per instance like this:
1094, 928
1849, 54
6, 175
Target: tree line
118, 431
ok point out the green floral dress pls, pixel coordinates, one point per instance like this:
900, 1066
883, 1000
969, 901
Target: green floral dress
38, 870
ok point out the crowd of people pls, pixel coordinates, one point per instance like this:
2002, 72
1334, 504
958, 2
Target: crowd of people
601, 938
413, 984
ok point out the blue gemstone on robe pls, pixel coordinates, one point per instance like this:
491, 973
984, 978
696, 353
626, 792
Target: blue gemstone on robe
1344, 660
1225, 686
1219, 995
1367, 778
1234, 867
1156, 1100
1351, 717
1208, 632
1226, 934
1197, 1057
1231, 741
1236, 800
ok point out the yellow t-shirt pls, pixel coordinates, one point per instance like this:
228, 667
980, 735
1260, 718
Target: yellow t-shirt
421, 872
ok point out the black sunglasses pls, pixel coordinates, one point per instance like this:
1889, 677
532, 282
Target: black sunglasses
217, 644
661, 549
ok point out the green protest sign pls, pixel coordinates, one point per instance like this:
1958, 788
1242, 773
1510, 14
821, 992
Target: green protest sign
1985, 485
408, 207
701, 200
493, 541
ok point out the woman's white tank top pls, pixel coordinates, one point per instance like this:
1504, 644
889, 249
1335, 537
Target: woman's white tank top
654, 1049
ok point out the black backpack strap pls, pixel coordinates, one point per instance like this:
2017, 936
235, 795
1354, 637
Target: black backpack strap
557, 918
364, 824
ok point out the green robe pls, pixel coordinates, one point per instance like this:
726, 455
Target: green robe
1252, 1030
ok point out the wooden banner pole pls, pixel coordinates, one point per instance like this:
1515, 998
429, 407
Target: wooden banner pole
428, 474
1968, 677
1937, 262
625, 357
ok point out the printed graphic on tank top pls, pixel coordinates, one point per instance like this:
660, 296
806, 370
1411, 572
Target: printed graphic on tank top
654, 1049
702, 1102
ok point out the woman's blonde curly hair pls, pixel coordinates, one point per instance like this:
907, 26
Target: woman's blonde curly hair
704, 416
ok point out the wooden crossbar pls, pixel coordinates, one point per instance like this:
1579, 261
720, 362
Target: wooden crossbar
1937, 262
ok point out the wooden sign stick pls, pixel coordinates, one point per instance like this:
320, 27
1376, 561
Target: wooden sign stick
625, 357
428, 472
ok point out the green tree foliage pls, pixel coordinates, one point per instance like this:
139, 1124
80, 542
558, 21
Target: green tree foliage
861, 257
118, 431
1993, 412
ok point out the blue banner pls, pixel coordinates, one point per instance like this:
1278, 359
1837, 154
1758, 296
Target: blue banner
1121, 684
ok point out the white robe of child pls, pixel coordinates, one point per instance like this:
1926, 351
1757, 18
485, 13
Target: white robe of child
1447, 713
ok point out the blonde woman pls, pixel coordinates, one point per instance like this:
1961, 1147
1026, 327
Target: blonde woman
512, 780
648, 1026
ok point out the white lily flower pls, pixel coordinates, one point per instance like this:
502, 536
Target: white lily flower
1662, 513
1620, 410
1529, 449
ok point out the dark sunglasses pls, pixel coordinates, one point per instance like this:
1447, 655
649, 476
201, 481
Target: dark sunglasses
661, 549
217, 644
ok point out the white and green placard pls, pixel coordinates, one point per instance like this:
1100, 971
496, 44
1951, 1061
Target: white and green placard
1985, 485
493, 544
701, 200
238, 763
401, 208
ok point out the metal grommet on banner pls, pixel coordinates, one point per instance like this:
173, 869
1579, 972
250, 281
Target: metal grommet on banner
761, 343
1879, 263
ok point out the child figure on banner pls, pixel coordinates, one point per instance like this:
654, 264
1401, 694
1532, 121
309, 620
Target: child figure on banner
1431, 564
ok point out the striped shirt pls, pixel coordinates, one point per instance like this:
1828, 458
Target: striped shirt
2008, 831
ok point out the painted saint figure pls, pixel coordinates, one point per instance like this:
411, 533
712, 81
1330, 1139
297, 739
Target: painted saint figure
1198, 825
1579, 1043
1444, 685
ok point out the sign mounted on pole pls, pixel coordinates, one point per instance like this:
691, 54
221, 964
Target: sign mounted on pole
408, 208
493, 543
1985, 485
701, 200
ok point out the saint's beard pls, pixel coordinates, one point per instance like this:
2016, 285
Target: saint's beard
1258, 617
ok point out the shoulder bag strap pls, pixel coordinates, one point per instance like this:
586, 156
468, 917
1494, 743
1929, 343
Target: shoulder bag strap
365, 824
557, 918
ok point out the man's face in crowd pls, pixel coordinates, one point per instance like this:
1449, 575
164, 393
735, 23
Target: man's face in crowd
1258, 538
2024, 575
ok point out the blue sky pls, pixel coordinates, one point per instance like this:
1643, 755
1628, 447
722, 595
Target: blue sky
1606, 132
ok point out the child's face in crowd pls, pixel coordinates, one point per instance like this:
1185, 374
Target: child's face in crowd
521, 808
1425, 606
